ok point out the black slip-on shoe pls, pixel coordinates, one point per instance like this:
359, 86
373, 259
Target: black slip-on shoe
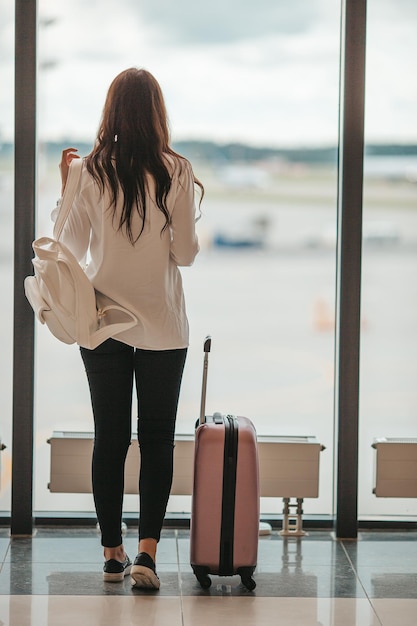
115, 571
143, 573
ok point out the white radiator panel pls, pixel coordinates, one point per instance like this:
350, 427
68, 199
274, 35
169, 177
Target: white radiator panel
288, 466
395, 467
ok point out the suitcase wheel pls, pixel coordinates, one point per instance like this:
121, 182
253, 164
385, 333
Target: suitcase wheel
202, 574
205, 581
246, 575
248, 582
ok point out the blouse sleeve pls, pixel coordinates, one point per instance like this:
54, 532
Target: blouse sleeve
184, 241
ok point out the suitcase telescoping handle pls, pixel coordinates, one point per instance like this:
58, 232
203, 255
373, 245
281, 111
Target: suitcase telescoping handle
207, 348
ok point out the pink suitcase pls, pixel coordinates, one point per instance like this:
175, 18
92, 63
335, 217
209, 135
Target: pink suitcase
225, 504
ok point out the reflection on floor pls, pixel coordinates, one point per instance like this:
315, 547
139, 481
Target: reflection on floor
55, 579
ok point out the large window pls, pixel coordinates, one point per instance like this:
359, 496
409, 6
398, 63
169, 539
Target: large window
388, 400
6, 238
253, 102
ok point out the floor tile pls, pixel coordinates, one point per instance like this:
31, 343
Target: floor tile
383, 552
280, 611
73, 579
53, 550
314, 580
388, 536
66, 548
308, 551
396, 583
385, 563
92, 610
396, 612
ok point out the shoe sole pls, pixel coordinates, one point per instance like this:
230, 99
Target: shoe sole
144, 578
116, 578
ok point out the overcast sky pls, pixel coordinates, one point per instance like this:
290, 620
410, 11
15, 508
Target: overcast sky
263, 72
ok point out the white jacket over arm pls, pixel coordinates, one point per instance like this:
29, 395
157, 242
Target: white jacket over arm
143, 277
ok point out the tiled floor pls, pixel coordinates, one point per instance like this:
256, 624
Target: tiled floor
55, 579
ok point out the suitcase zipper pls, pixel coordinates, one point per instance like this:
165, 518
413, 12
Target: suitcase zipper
228, 496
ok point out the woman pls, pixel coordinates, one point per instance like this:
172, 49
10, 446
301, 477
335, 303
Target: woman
135, 216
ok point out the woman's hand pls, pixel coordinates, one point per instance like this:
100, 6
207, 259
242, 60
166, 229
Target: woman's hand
67, 156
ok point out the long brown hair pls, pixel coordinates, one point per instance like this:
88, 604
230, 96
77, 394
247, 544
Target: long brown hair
132, 140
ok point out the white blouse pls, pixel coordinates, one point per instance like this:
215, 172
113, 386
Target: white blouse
144, 277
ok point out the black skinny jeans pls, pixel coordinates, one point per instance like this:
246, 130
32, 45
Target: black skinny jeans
111, 369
